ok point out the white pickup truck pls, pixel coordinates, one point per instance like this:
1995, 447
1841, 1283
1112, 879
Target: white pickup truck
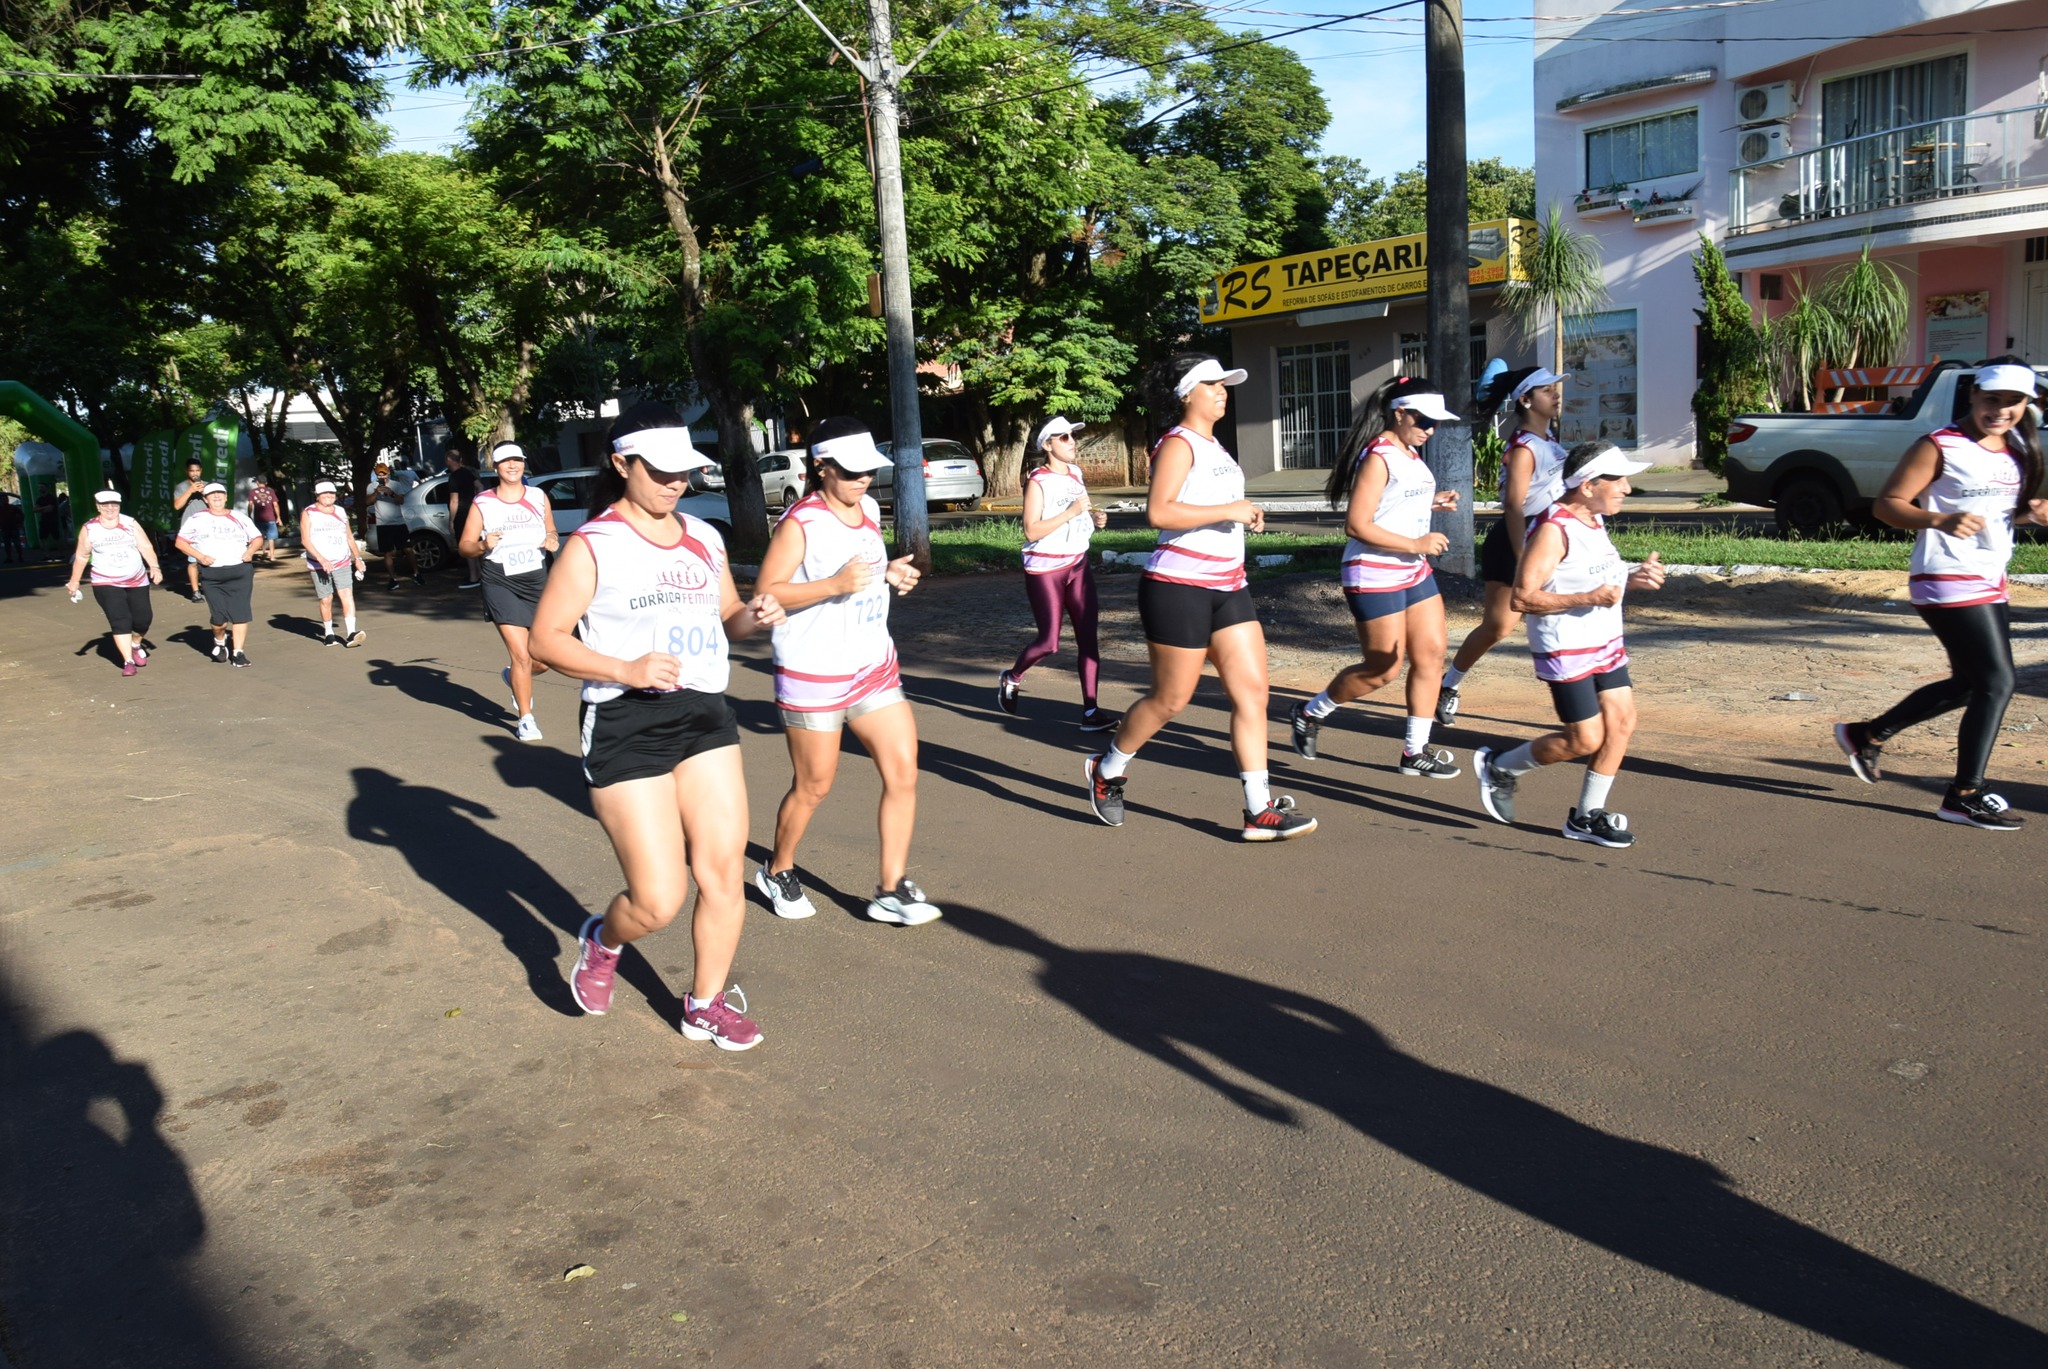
1818, 470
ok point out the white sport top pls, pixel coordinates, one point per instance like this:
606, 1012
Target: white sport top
1403, 510
837, 651
117, 552
1582, 641
653, 597
223, 536
524, 522
1210, 556
328, 543
1067, 543
1954, 571
1546, 482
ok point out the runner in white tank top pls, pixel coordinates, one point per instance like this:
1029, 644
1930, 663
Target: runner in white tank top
1531, 480
1058, 523
509, 531
336, 562
1389, 495
639, 607
1570, 583
123, 568
1960, 491
835, 653
1194, 602
222, 540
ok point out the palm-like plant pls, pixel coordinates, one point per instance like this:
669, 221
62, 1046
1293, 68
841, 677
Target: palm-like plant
1564, 279
1868, 299
1803, 338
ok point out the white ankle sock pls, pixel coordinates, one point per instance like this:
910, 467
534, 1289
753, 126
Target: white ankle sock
1593, 791
327, 628
351, 621
692, 1002
1417, 737
1113, 763
1258, 790
1519, 761
1452, 676
1321, 706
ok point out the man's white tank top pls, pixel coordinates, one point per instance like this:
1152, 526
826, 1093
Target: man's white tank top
1582, 641
1955, 571
1210, 556
1403, 510
654, 597
525, 525
1067, 543
328, 544
1546, 482
837, 651
117, 553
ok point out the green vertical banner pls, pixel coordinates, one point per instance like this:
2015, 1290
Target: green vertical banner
153, 475
212, 442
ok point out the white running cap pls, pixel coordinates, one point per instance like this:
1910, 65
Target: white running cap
1609, 462
213, 487
850, 452
1426, 404
1058, 426
1203, 371
1536, 380
2015, 380
106, 496
668, 450
324, 487
507, 451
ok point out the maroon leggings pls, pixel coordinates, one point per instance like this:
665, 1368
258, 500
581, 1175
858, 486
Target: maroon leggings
1056, 593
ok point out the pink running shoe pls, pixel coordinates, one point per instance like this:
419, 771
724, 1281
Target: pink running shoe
592, 981
127, 667
718, 1021
140, 657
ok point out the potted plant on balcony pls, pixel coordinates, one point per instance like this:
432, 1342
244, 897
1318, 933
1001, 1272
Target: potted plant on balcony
1594, 201
1660, 208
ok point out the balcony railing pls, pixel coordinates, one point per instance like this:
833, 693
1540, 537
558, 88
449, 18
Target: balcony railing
1970, 154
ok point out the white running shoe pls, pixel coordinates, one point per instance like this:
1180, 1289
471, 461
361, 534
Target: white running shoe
528, 730
904, 905
786, 897
506, 676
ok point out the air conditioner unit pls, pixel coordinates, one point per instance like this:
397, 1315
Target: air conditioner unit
1765, 104
1772, 143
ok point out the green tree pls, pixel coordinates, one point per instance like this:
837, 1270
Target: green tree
1564, 280
1366, 210
1735, 361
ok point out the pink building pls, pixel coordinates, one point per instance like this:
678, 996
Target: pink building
1792, 134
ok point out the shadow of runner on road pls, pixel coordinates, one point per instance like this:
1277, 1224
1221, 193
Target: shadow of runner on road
1667, 1211
425, 680
100, 1213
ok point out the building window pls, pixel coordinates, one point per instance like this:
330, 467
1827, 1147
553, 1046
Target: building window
1896, 97
1415, 352
1600, 355
1315, 403
1622, 154
2037, 249
1770, 287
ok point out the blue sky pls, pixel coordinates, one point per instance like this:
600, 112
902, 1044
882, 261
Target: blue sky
1371, 73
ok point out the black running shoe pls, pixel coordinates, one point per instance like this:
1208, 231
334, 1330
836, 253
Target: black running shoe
1980, 809
1106, 797
1007, 690
1496, 786
240, 658
1278, 821
1854, 739
1600, 827
1426, 764
1305, 729
220, 653
393, 585
1447, 705
1095, 720
419, 580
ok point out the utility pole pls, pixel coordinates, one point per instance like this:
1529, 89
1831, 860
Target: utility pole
883, 77
1450, 304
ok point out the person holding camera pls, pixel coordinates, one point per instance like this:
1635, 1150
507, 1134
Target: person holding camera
389, 536
222, 540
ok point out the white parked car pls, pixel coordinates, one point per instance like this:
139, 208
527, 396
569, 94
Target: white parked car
782, 477
433, 542
952, 477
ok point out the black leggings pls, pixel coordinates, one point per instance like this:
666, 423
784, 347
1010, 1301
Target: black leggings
1978, 640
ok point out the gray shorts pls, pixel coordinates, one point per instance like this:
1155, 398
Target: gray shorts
837, 719
325, 582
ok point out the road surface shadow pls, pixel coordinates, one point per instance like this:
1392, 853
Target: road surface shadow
1668, 1211
101, 1213
525, 765
296, 625
426, 680
198, 638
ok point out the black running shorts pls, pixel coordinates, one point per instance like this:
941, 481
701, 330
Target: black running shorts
510, 600
227, 590
641, 734
1578, 700
127, 607
1189, 615
1497, 558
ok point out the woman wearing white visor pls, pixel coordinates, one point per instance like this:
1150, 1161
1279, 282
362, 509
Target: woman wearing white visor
1194, 602
123, 568
1390, 493
835, 667
336, 560
1058, 522
512, 529
1531, 479
640, 607
223, 540
1570, 585
1960, 491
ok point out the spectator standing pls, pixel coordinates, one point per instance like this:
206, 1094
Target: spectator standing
188, 501
462, 498
387, 513
264, 512
11, 522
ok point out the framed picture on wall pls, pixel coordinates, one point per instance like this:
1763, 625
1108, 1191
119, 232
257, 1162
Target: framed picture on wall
1600, 399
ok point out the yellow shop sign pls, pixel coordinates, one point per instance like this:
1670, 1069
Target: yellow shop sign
1497, 252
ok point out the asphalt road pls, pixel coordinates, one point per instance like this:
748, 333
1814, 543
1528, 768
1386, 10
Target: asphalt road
292, 1077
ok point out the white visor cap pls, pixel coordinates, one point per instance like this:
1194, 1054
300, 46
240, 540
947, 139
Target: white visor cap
1536, 380
324, 487
215, 487
106, 497
1609, 462
1428, 405
2016, 380
507, 451
850, 452
668, 450
1057, 426
1205, 371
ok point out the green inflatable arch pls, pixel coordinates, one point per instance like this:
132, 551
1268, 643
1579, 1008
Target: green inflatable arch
82, 465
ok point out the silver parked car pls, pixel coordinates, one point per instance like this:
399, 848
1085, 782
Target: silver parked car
433, 542
952, 477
